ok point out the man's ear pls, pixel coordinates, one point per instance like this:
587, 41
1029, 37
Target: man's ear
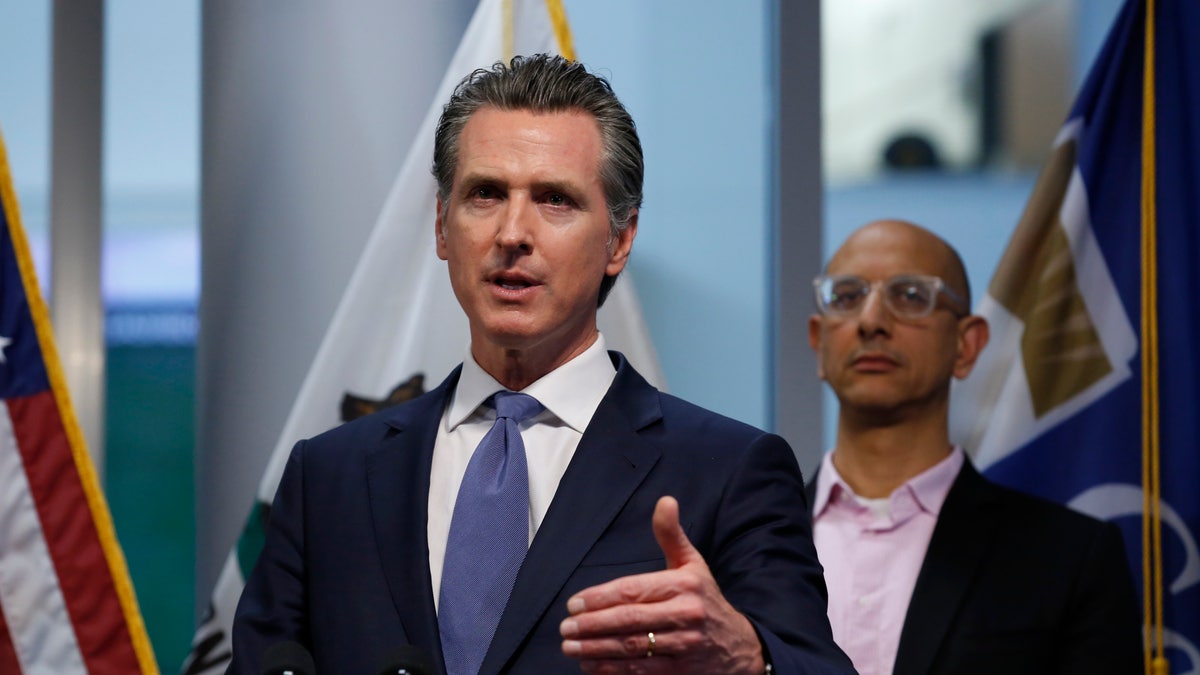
439, 232
973, 334
621, 246
814, 341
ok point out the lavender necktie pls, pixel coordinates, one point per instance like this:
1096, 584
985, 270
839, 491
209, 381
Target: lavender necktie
489, 535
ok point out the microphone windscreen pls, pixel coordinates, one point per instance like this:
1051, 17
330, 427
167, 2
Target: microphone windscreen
408, 660
288, 658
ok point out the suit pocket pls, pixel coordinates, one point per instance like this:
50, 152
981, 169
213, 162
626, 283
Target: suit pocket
615, 553
588, 575
626, 543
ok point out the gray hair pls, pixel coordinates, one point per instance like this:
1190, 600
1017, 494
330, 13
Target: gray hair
550, 83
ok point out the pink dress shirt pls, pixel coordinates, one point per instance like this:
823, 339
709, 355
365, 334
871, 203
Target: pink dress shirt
872, 550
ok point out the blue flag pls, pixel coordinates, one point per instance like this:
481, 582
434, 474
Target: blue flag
1055, 405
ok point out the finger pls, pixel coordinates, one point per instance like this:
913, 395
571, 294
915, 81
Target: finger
634, 589
670, 535
681, 612
633, 646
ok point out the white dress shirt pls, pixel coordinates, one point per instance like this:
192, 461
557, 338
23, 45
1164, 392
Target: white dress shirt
570, 393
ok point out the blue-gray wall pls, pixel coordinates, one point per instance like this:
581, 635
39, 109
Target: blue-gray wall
698, 85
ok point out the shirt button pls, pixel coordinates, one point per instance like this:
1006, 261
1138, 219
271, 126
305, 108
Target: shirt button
863, 601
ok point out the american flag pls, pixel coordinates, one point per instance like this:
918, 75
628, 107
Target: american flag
66, 602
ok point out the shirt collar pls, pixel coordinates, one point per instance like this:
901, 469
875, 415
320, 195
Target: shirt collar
571, 392
929, 487
932, 485
827, 478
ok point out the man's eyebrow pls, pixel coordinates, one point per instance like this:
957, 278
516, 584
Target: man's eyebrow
477, 177
565, 187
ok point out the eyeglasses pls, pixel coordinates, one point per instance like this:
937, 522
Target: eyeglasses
907, 296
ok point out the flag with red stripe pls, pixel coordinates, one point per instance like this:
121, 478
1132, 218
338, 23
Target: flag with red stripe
66, 603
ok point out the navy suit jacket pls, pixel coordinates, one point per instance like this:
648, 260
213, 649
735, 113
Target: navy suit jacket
345, 566
1016, 584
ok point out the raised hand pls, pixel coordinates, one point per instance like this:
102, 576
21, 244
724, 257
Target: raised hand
673, 621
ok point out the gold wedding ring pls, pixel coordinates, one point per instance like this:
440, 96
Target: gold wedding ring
650, 645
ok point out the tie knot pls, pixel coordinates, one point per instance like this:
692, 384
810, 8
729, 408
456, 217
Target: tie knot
518, 407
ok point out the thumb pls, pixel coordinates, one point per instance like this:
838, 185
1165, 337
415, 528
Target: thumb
671, 538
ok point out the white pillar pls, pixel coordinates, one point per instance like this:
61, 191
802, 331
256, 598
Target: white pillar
76, 308
308, 110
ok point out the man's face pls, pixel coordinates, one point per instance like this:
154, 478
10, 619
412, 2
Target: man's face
525, 231
880, 364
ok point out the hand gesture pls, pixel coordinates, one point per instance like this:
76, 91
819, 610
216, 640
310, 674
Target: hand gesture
673, 621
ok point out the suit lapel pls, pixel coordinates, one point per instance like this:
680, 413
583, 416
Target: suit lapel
958, 546
610, 454
398, 486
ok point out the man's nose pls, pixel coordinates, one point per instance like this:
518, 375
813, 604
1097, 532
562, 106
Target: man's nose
874, 317
515, 229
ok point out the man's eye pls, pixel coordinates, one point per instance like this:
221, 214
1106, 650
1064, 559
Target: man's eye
555, 199
911, 295
483, 193
845, 296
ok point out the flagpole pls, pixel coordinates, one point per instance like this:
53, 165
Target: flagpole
1155, 660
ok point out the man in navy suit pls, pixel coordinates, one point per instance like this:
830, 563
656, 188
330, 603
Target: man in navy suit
931, 568
662, 537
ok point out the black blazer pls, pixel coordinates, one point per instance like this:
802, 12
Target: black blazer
1016, 584
345, 567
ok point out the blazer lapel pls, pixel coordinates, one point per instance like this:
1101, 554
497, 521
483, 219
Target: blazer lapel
610, 454
958, 546
398, 486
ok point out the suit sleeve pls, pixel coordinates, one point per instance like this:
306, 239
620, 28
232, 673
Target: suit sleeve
272, 607
1102, 635
764, 560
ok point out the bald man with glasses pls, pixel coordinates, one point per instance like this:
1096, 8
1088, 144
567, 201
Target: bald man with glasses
931, 568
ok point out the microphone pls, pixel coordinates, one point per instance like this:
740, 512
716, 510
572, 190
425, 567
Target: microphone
288, 658
408, 660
